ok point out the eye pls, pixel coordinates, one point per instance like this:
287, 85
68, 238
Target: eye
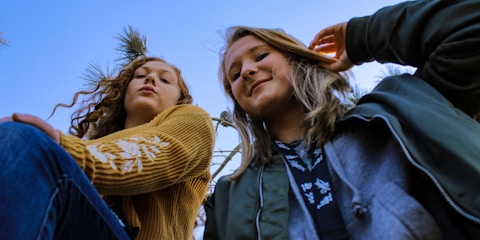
261, 56
139, 76
235, 76
164, 80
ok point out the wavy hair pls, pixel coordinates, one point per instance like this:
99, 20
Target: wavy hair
317, 89
102, 109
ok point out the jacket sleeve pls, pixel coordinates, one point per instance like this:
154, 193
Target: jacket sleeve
441, 38
177, 145
210, 231
216, 211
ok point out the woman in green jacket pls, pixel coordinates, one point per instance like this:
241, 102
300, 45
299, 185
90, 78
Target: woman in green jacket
402, 164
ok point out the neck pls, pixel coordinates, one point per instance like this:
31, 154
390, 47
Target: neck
136, 121
288, 127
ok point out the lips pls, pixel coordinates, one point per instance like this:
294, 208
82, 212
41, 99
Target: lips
147, 88
255, 84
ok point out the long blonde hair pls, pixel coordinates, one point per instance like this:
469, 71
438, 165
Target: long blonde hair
316, 88
103, 111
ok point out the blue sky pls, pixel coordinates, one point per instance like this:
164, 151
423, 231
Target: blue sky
51, 43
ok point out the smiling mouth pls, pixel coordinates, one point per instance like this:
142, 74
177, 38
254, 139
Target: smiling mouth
256, 84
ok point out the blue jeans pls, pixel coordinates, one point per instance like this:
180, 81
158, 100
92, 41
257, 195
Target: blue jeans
44, 194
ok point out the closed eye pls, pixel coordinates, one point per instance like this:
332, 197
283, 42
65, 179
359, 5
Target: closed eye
261, 56
235, 76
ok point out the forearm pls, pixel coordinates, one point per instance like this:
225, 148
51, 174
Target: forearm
440, 38
149, 157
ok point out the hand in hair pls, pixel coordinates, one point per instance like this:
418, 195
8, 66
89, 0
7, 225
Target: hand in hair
331, 40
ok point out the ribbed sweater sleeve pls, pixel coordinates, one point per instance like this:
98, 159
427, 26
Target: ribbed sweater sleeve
171, 148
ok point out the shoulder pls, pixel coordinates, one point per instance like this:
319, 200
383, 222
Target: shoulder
181, 118
223, 182
186, 109
184, 113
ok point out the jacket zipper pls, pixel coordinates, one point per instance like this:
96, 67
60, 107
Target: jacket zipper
260, 193
430, 175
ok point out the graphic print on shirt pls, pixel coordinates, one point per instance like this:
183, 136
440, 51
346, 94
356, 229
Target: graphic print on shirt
316, 191
133, 151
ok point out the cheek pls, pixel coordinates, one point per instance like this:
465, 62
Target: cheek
283, 69
130, 88
240, 99
172, 96
237, 90
177, 93
176, 99
127, 96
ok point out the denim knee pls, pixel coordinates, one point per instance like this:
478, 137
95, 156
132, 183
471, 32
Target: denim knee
24, 147
11, 132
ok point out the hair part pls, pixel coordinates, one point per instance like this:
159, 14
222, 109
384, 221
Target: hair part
316, 88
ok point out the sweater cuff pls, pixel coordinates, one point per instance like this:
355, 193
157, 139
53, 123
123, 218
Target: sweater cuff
357, 41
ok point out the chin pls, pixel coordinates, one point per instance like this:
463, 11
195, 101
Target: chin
257, 115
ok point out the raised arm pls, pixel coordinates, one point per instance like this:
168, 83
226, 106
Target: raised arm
441, 38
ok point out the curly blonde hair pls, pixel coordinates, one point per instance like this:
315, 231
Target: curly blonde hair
316, 88
102, 110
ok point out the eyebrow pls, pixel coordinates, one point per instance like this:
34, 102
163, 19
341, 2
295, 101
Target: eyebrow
250, 51
150, 69
258, 46
161, 71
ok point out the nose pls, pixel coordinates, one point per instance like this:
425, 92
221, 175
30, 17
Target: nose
150, 78
248, 71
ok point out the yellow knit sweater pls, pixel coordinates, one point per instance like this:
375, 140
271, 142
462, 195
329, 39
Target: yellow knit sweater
161, 169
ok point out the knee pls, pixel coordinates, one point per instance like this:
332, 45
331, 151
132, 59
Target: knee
16, 132
26, 146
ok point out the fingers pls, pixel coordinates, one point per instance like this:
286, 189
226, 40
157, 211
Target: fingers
327, 40
38, 123
333, 34
326, 48
27, 118
331, 41
6, 119
339, 66
324, 45
326, 35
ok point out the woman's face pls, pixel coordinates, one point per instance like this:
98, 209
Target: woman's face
259, 77
153, 88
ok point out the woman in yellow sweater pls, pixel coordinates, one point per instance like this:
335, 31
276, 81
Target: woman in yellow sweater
148, 150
